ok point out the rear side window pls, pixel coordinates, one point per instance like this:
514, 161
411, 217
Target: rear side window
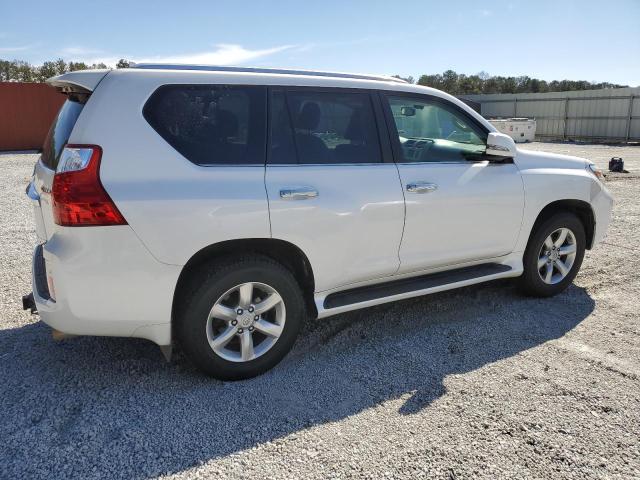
211, 124
323, 128
60, 132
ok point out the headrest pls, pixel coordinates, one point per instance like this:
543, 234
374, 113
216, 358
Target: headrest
355, 129
309, 116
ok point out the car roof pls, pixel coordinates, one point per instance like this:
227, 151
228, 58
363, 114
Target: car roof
271, 71
177, 73
159, 73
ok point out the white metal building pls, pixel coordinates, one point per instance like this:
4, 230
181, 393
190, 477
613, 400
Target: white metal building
608, 114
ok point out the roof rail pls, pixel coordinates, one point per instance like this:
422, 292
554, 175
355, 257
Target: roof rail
274, 71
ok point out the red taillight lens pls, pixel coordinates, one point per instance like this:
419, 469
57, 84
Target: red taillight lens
79, 199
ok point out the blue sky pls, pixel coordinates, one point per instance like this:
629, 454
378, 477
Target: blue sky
579, 40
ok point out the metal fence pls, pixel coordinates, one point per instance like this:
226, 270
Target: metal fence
609, 114
26, 112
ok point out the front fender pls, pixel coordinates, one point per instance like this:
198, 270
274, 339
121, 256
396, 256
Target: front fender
544, 186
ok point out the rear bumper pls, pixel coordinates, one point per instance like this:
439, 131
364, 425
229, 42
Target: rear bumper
103, 282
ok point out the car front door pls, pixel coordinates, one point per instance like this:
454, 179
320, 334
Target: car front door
458, 208
333, 188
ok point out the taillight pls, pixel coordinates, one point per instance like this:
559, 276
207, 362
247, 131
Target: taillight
79, 199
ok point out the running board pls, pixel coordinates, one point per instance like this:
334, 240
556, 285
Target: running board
414, 284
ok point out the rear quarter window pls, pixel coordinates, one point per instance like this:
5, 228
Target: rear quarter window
211, 124
60, 132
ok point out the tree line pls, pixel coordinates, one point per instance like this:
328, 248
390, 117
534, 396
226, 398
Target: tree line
21, 71
461, 84
449, 81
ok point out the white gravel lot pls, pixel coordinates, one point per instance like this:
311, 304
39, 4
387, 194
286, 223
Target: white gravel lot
475, 383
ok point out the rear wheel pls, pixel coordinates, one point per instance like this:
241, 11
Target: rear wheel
553, 256
240, 317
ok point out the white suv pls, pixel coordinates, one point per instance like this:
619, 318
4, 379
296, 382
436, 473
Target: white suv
217, 208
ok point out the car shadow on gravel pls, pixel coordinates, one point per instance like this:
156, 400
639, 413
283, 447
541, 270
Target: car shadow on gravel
112, 408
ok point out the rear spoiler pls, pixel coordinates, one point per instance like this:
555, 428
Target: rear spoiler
81, 82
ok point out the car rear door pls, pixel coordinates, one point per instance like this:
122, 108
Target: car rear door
459, 208
332, 186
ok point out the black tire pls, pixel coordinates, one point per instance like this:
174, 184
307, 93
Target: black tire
207, 285
531, 282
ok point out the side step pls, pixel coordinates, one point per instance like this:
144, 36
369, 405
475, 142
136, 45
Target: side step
406, 285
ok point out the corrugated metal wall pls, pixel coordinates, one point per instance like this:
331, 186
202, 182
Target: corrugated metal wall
26, 112
610, 114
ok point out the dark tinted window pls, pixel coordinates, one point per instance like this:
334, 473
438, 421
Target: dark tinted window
60, 132
283, 148
432, 131
211, 124
323, 128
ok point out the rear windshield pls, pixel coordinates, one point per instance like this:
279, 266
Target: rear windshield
60, 132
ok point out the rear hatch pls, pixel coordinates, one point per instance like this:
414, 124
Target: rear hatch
77, 86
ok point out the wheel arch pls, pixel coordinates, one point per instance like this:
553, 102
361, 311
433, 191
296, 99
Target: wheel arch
283, 252
580, 208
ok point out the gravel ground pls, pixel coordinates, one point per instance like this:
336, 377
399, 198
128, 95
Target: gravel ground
478, 382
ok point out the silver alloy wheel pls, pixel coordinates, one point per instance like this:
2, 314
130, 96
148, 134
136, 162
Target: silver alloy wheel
556, 257
245, 322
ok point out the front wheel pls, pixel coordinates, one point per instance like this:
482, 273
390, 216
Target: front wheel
240, 317
553, 255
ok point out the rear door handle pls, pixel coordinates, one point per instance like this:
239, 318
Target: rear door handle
298, 193
421, 187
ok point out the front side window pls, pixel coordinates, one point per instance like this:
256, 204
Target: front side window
431, 131
211, 124
323, 128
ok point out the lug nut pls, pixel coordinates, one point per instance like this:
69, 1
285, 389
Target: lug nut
251, 329
250, 309
239, 311
256, 318
240, 330
234, 322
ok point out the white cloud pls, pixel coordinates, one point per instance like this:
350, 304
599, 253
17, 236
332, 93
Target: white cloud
21, 48
222, 54
486, 13
78, 51
225, 54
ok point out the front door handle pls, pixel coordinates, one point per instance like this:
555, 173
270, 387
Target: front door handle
299, 193
421, 187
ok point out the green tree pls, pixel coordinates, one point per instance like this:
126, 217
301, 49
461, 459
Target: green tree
47, 70
73, 66
408, 79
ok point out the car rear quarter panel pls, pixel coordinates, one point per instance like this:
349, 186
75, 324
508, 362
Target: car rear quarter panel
174, 206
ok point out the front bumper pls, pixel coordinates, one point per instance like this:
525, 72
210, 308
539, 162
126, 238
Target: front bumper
602, 205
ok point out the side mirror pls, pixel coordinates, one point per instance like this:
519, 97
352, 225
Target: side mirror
500, 145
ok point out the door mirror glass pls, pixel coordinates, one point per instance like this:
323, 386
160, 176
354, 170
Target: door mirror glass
500, 145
